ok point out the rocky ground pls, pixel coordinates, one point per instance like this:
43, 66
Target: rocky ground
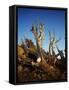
29, 69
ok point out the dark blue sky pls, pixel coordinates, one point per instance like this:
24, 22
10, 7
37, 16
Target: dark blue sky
54, 20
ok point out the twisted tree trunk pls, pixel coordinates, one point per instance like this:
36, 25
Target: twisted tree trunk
52, 71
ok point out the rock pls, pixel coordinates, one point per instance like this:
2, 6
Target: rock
21, 53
